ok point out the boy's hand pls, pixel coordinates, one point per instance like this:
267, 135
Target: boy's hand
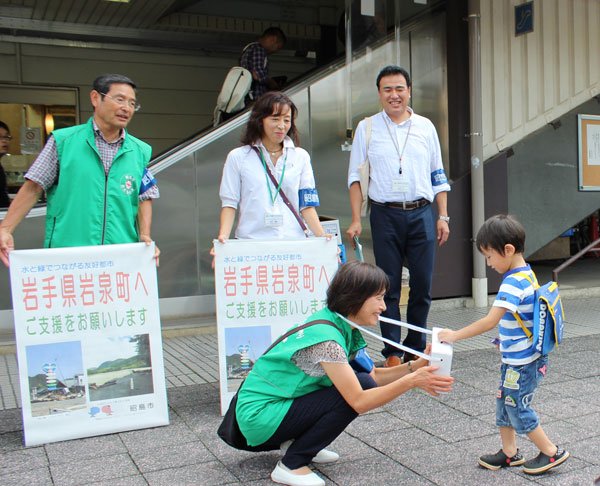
447, 336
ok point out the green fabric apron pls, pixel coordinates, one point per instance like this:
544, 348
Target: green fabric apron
274, 381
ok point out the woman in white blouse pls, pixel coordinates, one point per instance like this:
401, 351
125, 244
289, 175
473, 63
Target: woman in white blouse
269, 146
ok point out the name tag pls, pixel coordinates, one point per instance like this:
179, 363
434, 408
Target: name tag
400, 184
273, 220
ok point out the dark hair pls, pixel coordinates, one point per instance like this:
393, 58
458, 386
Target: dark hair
271, 103
501, 230
392, 70
276, 32
5, 126
353, 284
103, 82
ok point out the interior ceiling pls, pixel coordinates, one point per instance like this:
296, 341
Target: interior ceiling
189, 24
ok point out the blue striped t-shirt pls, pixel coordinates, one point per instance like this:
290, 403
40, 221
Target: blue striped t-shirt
516, 294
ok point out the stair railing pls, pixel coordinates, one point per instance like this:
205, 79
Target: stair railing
593, 247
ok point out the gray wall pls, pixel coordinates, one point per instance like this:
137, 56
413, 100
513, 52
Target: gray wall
543, 180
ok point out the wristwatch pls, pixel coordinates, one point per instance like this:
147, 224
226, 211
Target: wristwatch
445, 218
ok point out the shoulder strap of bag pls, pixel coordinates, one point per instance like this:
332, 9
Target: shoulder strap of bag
296, 329
244, 50
368, 125
365, 170
283, 196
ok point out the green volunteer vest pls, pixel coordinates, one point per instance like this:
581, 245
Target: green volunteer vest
86, 207
274, 381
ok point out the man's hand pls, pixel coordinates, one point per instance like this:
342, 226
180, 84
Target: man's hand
355, 229
7, 244
146, 239
443, 232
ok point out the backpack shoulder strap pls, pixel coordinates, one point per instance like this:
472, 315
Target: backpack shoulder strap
535, 285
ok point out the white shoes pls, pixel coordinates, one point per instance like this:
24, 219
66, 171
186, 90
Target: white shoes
324, 456
282, 475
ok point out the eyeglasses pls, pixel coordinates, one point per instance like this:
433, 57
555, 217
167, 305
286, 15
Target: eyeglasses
6, 138
119, 100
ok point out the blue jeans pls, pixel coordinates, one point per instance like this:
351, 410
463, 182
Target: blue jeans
515, 395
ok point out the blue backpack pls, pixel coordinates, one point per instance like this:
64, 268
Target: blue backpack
548, 316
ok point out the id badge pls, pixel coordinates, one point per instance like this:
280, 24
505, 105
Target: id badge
400, 184
273, 220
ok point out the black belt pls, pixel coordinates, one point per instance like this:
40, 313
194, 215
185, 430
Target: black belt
405, 205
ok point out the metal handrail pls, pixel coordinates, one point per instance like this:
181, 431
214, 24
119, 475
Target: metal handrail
577, 256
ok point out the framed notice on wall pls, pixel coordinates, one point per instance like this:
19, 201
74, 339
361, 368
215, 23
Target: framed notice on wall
589, 152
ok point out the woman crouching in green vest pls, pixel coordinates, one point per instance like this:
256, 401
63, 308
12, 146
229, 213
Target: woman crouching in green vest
303, 392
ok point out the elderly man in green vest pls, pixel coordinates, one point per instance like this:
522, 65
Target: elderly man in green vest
98, 187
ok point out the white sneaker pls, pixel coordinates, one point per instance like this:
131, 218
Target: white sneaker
282, 475
324, 456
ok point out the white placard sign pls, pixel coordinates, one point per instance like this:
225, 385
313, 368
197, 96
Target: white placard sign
262, 289
89, 342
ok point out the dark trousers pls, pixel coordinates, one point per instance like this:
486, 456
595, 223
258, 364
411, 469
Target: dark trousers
314, 421
405, 238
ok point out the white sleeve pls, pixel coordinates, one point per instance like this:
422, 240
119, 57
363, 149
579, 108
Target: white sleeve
231, 182
358, 153
307, 177
436, 163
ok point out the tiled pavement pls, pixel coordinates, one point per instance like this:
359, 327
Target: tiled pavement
415, 440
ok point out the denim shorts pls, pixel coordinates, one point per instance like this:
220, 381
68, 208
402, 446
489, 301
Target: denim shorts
515, 395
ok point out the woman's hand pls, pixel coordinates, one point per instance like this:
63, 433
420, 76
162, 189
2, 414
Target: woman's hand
421, 362
221, 239
426, 380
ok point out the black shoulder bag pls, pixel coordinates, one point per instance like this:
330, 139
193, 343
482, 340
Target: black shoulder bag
229, 429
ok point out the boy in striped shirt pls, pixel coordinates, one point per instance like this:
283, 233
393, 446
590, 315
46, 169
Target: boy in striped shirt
501, 240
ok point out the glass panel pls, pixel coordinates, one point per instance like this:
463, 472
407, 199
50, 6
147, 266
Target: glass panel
29, 126
26, 110
187, 216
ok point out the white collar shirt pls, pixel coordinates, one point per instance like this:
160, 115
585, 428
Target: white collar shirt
417, 141
244, 188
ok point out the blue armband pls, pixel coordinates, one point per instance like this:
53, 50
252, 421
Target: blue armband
362, 361
438, 178
148, 181
308, 198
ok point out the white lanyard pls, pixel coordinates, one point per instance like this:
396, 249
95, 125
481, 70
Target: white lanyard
395, 141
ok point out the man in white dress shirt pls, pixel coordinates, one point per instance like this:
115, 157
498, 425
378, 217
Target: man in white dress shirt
406, 176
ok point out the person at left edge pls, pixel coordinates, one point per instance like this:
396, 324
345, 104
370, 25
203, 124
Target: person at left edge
5, 139
98, 187
270, 143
